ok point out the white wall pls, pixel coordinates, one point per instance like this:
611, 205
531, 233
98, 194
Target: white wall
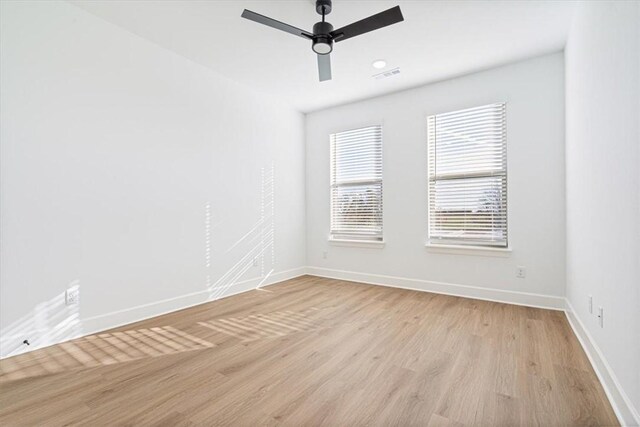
112, 149
534, 92
603, 183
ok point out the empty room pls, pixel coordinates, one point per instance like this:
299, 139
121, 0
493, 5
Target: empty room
319, 213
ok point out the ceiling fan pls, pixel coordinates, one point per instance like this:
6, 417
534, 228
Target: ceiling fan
324, 35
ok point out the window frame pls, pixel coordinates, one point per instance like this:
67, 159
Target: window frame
471, 247
356, 240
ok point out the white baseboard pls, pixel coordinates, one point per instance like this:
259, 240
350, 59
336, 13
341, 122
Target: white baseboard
116, 319
103, 322
488, 294
620, 402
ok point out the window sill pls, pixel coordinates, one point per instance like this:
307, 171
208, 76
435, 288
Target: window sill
468, 250
357, 243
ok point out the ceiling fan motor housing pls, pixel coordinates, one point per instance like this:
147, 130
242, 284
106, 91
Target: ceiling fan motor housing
322, 40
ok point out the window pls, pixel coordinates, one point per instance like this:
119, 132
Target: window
356, 184
468, 177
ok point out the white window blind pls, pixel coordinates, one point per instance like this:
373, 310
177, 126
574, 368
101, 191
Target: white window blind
468, 177
356, 184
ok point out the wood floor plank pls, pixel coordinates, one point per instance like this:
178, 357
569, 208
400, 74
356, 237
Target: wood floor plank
313, 351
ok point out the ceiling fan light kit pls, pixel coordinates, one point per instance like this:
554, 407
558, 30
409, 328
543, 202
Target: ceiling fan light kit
323, 35
322, 43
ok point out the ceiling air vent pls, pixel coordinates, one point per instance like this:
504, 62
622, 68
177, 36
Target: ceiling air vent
386, 74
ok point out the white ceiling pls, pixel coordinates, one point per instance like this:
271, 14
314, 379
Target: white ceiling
437, 40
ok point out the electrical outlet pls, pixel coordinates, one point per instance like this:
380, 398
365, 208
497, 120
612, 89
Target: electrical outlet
590, 304
601, 317
521, 272
72, 295
324, 254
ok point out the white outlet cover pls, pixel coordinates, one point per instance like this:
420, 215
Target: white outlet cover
521, 272
72, 295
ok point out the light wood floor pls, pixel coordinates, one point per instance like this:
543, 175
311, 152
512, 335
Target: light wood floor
314, 351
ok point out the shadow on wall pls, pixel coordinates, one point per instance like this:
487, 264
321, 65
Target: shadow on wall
54, 321
50, 322
255, 246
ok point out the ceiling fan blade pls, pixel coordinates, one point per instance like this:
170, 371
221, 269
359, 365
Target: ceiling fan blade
276, 24
324, 67
374, 22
